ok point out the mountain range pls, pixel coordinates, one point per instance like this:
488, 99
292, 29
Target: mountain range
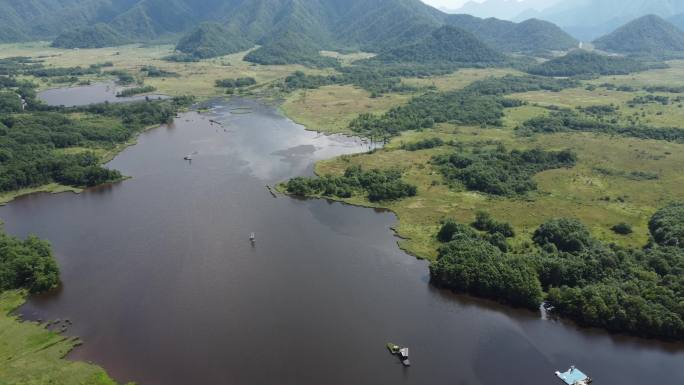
502, 9
294, 31
584, 19
286, 30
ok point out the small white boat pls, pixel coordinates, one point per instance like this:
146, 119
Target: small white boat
188, 157
252, 237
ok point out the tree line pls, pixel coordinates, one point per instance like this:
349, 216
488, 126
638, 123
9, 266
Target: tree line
634, 291
377, 185
481, 103
568, 121
32, 140
27, 264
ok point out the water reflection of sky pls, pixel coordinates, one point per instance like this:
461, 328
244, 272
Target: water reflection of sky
89, 94
289, 149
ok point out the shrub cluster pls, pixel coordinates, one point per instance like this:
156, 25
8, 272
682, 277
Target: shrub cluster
27, 264
499, 171
378, 185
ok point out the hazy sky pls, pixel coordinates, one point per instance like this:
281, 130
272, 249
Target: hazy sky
453, 4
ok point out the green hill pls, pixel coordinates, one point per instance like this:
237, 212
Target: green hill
582, 62
98, 36
648, 35
379, 24
290, 48
446, 45
529, 36
211, 39
343, 25
294, 31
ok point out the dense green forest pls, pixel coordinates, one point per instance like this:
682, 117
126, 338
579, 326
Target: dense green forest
499, 171
33, 137
377, 185
212, 39
446, 45
30, 142
27, 264
530, 36
96, 36
639, 292
291, 48
582, 62
647, 36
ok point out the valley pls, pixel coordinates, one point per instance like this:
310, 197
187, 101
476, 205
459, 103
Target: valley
517, 174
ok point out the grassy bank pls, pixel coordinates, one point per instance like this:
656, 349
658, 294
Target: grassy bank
195, 78
598, 191
52, 188
32, 355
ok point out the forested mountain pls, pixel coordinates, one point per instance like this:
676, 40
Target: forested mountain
42, 19
375, 25
589, 19
648, 35
446, 45
503, 9
211, 39
582, 62
287, 30
98, 36
529, 36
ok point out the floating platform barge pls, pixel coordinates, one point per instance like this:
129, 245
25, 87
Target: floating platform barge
574, 376
402, 353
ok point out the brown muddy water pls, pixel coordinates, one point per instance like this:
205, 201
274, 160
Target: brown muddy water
164, 287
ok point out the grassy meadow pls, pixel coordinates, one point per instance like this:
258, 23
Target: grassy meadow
598, 191
33, 355
196, 78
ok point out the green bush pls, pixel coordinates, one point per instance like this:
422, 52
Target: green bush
622, 229
378, 185
568, 235
667, 225
485, 222
27, 264
500, 172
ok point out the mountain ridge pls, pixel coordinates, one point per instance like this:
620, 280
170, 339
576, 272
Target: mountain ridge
531, 35
647, 35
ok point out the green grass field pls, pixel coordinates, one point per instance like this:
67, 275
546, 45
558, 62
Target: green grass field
195, 78
597, 191
32, 355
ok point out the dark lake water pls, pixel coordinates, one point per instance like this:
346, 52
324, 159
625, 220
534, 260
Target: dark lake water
164, 287
91, 94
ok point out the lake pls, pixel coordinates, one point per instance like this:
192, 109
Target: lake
164, 287
90, 94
